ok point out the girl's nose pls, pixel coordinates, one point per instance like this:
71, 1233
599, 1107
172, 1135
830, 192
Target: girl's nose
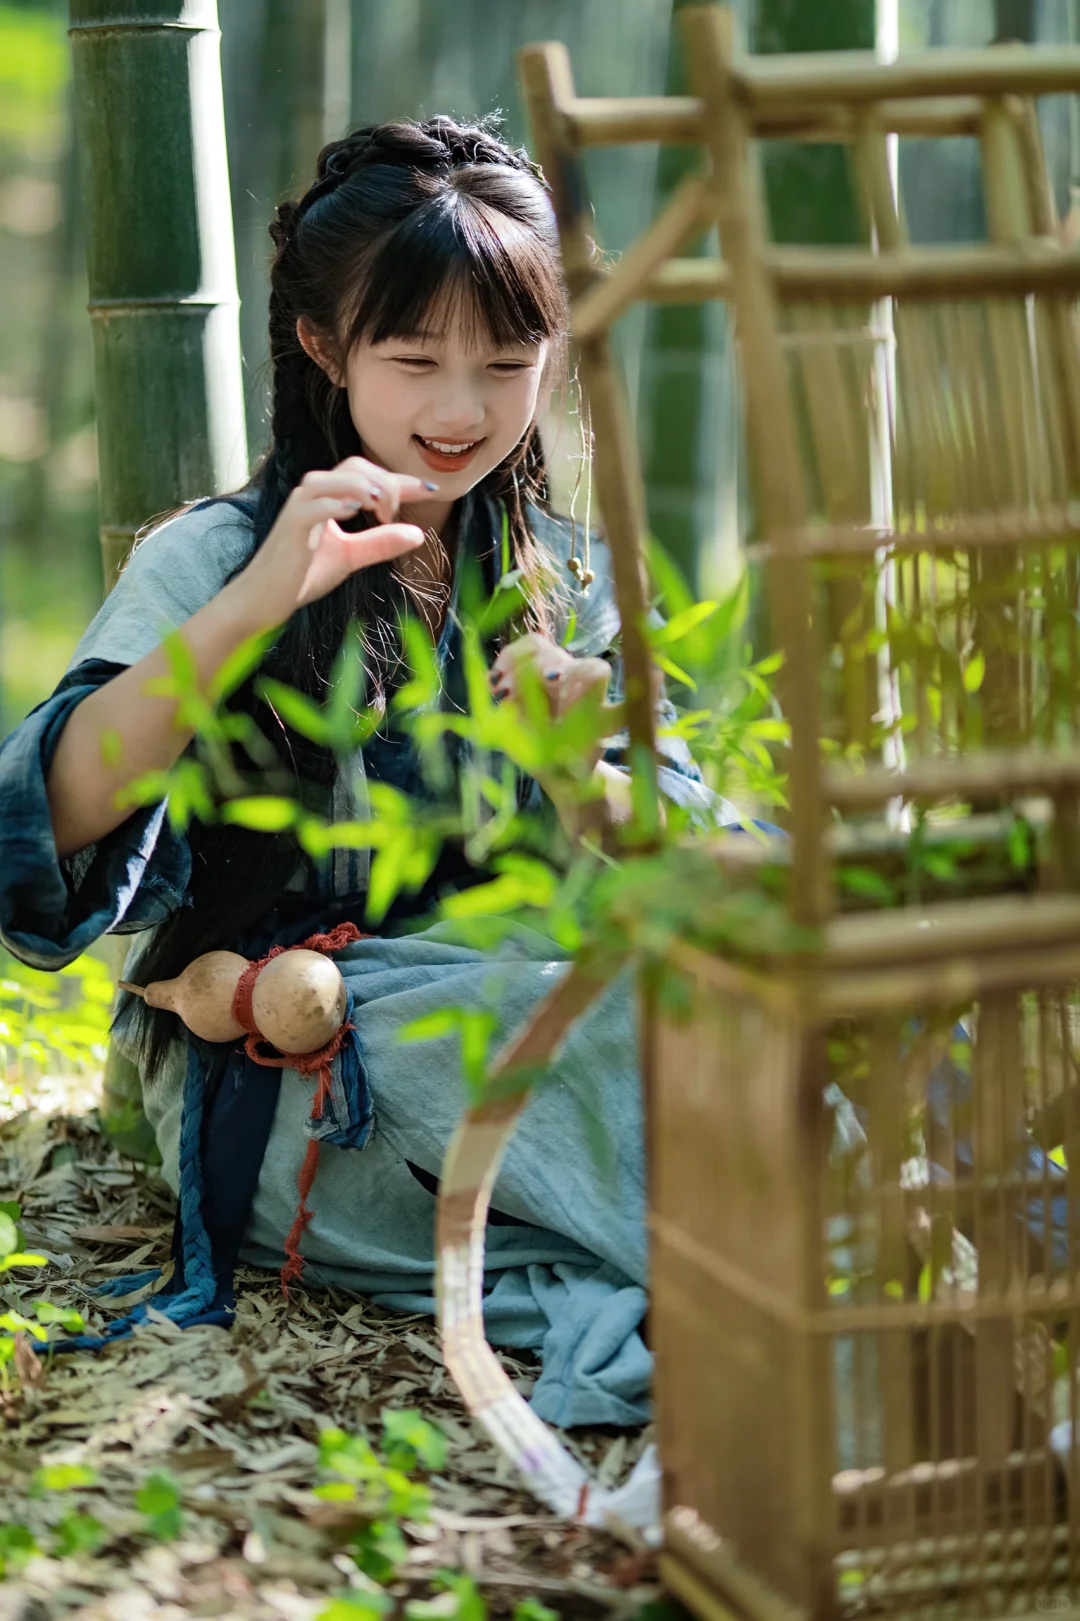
459, 410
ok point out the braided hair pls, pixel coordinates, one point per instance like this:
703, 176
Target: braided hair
404, 223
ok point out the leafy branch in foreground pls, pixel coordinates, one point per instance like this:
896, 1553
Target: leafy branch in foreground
478, 759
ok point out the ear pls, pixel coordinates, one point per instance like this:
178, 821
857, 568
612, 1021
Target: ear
317, 347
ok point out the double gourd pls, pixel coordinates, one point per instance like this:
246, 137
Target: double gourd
297, 1002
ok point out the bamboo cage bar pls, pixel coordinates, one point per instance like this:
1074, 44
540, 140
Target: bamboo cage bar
688, 281
1037, 526
1004, 773
851, 77
618, 121
853, 275
547, 83
615, 121
980, 923
864, 1149
999, 1307
604, 302
771, 418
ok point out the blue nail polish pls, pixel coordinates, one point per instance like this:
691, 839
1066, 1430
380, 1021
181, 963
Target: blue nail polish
428, 485
552, 675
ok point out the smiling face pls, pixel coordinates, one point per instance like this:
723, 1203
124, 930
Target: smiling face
447, 405
454, 317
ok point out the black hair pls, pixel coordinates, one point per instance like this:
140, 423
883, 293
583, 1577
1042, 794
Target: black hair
404, 225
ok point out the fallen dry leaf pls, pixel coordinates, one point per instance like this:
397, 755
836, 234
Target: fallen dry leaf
233, 1418
118, 1234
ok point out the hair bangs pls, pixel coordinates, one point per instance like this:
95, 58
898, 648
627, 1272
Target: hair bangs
459, 262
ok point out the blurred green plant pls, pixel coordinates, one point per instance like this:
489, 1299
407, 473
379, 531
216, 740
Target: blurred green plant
34, 67
601, 897
736, 739
52, 1021
17, 1545
14, 1255
158, 1501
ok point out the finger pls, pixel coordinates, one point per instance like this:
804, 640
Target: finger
380, 545
315, 514
392, 488
414, 489
363, 492
397, 489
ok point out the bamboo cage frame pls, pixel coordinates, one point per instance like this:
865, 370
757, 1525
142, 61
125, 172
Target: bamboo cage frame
853, 97
968, 1499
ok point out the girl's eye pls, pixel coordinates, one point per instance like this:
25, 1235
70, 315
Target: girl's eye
413, 360
509, 366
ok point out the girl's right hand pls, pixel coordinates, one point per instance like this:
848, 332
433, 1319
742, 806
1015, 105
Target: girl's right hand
307, 554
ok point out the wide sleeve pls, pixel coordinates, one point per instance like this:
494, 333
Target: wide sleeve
52, 908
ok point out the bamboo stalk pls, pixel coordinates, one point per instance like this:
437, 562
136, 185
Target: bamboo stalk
946, 984
159, 251
163, 301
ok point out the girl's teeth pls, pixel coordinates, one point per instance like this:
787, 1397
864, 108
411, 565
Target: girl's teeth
447, 450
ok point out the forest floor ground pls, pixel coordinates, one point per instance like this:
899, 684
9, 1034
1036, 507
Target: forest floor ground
231, 1420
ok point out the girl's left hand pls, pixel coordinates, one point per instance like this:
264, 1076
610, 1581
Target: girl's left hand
563, 677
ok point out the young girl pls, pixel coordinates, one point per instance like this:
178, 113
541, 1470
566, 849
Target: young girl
417, 317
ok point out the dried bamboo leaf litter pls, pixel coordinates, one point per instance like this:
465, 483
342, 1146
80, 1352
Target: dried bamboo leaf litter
233, 1417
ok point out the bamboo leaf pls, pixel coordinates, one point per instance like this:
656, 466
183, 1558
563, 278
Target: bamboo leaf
241, 663
670, 668
431, 1026
266, 813
296, 709
680, 625
973, 672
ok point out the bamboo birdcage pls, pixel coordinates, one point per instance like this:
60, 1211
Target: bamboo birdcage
866, 1297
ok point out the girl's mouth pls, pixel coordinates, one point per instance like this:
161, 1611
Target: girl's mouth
447, 455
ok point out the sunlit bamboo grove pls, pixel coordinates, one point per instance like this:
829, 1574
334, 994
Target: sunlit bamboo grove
297, 72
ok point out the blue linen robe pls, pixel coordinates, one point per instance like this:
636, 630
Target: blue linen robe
566, 1263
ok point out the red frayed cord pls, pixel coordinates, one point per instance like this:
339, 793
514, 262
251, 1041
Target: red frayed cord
343, 934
